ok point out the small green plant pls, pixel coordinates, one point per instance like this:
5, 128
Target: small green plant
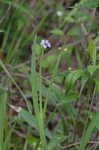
49, 75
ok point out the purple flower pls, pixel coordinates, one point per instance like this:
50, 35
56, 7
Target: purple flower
45, 44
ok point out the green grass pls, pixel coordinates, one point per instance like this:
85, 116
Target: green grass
49, 97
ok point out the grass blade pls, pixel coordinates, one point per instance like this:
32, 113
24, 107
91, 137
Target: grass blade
88, 132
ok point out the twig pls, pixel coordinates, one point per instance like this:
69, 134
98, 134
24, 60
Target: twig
77, 143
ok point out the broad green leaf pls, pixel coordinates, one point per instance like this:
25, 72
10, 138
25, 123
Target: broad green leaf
72, 77
91, 69
57, 32
55, 141
51, 57
69, 98
32, 139
75, 31
28, 117
97, 84
69, 108
37, 48
54, 93
44, 63
88, 4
